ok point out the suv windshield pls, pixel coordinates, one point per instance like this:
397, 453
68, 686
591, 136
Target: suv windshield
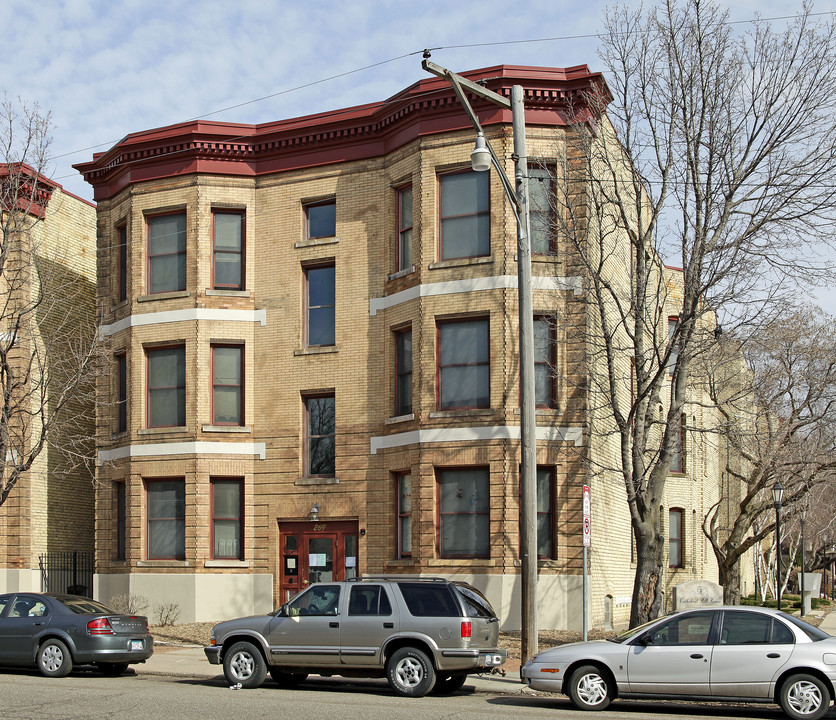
476, 604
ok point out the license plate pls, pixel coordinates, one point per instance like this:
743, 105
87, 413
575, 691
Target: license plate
136, 645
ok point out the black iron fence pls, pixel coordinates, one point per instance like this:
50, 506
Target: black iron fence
67, 572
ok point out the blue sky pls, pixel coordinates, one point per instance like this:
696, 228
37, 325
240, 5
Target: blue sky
105, 68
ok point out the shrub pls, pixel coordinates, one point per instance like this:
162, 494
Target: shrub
129, 604
167, 613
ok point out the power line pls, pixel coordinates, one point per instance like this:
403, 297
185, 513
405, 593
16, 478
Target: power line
499, 43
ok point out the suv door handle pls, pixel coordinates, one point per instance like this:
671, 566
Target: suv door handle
333, 624
773, 655
388, 626
696, 656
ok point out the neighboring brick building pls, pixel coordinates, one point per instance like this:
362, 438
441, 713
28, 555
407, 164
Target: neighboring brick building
50, 509
313, 328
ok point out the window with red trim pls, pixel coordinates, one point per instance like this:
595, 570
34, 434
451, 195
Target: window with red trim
122, 254
465, 215
541, 221
545, 348
227, 518
403, 490
166, 518
464, 512
227, 384
675, 535
464, 364
320, 435
404, 249
403, 372
166, 386
166, 253
228, 249
121, 392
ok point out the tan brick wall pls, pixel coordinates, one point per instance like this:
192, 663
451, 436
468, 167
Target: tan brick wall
358, 370
51, 508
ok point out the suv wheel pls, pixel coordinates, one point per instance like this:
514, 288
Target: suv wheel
244, 664
448, 684
410, 672
287, 679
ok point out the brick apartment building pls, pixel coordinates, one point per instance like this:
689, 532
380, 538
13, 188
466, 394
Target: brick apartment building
49, 248
315, 374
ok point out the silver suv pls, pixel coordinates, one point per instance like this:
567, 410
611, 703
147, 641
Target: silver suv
422, 634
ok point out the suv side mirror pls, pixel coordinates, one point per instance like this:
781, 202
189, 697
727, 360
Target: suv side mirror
283, 610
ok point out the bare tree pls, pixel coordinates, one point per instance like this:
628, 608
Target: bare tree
49, 354
776, 412
711, 151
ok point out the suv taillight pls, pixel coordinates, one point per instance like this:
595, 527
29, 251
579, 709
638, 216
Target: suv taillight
466, 628
100, 626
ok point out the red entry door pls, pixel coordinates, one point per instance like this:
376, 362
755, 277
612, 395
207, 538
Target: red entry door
315, 552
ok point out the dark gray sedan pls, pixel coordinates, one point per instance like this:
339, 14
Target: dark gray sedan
725, 653
55, 632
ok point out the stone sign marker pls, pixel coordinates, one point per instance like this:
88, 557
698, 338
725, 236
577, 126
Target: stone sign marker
697, 593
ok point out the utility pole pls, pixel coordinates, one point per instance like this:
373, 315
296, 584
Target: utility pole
518, 195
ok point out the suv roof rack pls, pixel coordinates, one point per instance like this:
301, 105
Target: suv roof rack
399, 578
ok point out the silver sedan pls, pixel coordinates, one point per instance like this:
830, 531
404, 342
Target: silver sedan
725, 654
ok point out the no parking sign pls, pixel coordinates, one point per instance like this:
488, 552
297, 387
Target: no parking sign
587, 522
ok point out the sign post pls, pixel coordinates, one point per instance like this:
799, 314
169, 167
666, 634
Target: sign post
587, 536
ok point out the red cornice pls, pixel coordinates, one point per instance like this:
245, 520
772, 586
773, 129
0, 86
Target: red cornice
25, 188
365, 131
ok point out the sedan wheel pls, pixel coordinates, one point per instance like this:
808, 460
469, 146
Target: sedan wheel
54, 659
244, 665
588, 689
804, 697
112, 669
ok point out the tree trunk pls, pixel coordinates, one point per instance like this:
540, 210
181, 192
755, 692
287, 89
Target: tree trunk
647, 589
729, 577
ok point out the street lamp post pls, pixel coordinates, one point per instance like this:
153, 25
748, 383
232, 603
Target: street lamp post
803, 599
481, 159
777, 497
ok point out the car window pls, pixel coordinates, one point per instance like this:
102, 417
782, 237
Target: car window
475, 603
690, 629
745, 628
811, 631
28, 607
368, 600
4, 601
429, 600
318, 600
85, 606
781, 633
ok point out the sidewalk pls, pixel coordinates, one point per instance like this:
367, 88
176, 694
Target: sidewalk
190, 662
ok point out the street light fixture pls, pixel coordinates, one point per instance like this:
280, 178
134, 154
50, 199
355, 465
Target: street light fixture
777, 498
481, 160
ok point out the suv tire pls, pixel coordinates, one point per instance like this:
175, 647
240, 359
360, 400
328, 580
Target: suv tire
287, 679
410, 672
244, 665
448, 684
